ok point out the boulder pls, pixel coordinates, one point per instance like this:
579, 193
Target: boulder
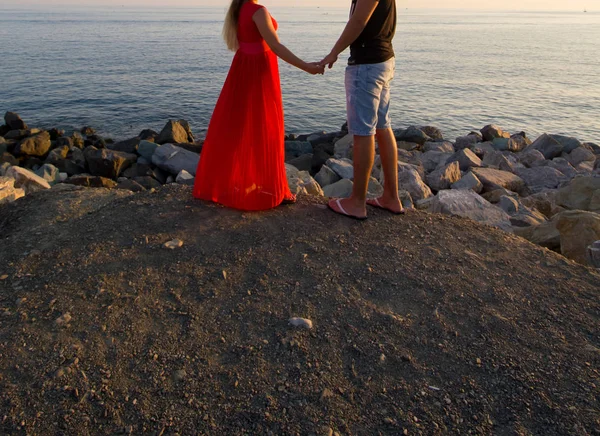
522, 140
175, 131
343, 147
562, 165
77, 140
319, 157
527, 218
581, 154
494, 179
408, 146
63, 141
148, 135
469, 181
585, 168
326, 176
90, 181
567, 143
342, 167
430, 160
466, 159
495, 159
301, 182
4, 166
14, 121
593, 254
16, 135
374, 188
410, 180
322, 137
412, 134
185, 178
406, 199
545, 235
510, 205
340, 189
543, 202
467, 141
578, 230
468, 204
107, 163
491, 131
146, 149
87, 131
297, 148
7, 157
433, 132
541, 178
49, 173
548, 146
130, 185
444, 177
8, 192
577, 195
173, 159
37, 145
127, 146
303, 163
506, 144
147, 182
27, 180
443, 146
495, 195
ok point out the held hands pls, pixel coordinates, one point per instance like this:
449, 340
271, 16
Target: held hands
329, 60
315, 68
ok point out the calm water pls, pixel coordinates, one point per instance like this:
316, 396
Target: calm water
122, 70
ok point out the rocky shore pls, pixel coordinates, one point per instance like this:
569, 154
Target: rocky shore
546, 190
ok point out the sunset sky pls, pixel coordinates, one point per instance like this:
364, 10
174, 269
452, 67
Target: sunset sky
539, 5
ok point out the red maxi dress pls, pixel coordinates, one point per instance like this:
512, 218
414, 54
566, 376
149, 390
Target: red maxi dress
242, 161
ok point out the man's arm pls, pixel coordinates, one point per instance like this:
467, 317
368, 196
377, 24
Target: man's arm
356, 24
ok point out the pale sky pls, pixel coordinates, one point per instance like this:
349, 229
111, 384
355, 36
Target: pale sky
536, 5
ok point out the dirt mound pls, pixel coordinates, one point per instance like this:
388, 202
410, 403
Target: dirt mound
423, 324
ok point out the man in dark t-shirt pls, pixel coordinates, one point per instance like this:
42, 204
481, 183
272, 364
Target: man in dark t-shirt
369, 73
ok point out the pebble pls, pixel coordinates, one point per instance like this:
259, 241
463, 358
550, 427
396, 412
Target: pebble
3, 276
64, 319
172, 245
179, 375
301, 322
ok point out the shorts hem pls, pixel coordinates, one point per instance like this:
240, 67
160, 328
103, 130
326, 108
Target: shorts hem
362, 132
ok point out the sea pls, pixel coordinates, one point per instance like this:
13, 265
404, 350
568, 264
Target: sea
121, 70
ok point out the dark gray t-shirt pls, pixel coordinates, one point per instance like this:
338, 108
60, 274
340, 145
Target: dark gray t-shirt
374, 44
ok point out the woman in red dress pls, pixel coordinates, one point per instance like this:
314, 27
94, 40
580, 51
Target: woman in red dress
242, 162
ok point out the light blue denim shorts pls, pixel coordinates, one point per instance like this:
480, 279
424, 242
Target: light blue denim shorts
368, 97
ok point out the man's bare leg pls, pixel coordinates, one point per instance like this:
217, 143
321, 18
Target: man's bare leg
364, 156
388, 150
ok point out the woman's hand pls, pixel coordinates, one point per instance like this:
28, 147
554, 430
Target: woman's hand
314, 68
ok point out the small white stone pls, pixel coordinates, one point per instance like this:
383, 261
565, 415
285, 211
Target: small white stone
175, 243
301, 322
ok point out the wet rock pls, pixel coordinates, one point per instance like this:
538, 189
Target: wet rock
340, 189
578, 230
468, 204
469, 181
491, 131
37, 145
444, 177
173, 159
494, 179
326, 176
90, 181
27, 180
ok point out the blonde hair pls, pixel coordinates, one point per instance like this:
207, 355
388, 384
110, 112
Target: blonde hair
231, 24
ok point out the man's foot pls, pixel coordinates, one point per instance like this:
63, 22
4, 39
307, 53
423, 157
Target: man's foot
394, 206
346, 208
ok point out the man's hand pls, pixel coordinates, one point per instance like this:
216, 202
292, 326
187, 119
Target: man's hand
315, 68
329, 60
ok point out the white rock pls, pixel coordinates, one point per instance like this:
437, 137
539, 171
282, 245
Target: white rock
27, 180
342, 167
301, 322
173, 159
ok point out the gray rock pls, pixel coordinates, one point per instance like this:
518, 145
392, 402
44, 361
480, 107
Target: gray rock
592, 146
185, 178
507, 144
540, 178
343, 147
593, 254
466, 159
14, 121
527, 218
8, 192
63, 141
127, 146
469, 181
412, 134
433, 132
406, 199
509, 205
297, 148
444, 177
578, 230
568, 143
148, 182
522, 140
374, 188
548, 146
495, 195
326, 176
443, 146
562, 165
467, 141
27, 180
579, 193
545, 235
342, 167
340, 189
544, 202
408, 146
37, 145
585, 168
494, 179
130, 185
491, 131
468, 204
49, 173
107, 163
430, 160
173, 159
410, 180
581, 154
303, 163
495, 159
531, 157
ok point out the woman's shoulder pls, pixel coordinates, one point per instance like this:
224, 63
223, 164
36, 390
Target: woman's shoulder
253, 7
